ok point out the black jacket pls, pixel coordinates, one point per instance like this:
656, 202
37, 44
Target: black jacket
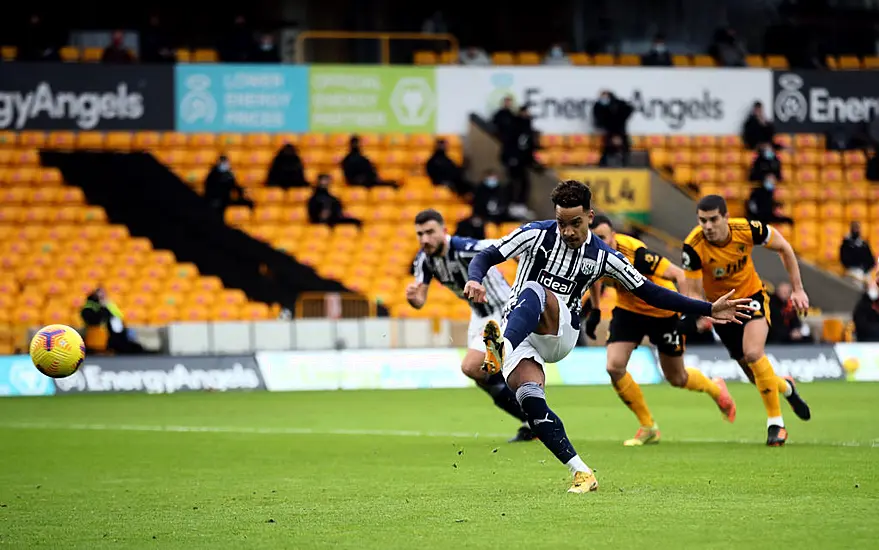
613, 117
656, 59
754, 132
520, 143
503, 122
358, 169
286, 170
763, 166
219, 187
442, 170
761, 205
322, 201
866, 319
856, 253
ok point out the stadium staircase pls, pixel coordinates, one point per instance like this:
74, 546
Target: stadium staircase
140, 192
668, 228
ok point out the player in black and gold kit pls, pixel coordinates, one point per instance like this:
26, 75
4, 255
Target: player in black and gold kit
717, 259
633, 320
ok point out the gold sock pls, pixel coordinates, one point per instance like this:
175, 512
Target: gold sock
630, 392
767, 385
697, 381
783, 386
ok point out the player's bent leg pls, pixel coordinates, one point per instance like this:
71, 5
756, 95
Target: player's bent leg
695, 380
495, 386
618, 354
527, 378
753, 347
522, 321
787, 388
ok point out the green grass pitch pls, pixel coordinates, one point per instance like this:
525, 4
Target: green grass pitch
405, 469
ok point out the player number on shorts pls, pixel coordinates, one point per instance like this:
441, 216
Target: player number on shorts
672, 338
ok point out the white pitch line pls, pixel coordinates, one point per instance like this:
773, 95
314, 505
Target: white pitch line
247, 430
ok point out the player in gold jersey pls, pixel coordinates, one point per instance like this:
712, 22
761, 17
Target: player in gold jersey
633, 319
717, 259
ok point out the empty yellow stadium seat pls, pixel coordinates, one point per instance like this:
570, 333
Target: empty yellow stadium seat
425, 58
528, 58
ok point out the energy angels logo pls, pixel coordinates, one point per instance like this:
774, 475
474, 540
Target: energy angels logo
502, 86
413, 101
198, 103
790, 103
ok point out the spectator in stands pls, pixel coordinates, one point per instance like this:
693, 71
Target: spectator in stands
726, 48
517, 156
286, 170
473, 227
38, 44
325, 208
556, 56
872, 171
474, 57
765, 163
762, 206
757, 129
658, 56
443, 171
99, 313
611, 115
855, 254
614, 154
221, 189
358, 169
266, 51
787, 327
154, 44
491, 200
866, 316
116, 52
237, 45
504, 119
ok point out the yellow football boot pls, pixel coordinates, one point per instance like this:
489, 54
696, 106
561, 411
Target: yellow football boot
584, 483
494, 348
645, 436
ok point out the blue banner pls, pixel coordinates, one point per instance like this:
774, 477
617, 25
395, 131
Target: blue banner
241, 98
18, 376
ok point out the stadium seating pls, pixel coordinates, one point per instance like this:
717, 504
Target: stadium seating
55, 249
75, 54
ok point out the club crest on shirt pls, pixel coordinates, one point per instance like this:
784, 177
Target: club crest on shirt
589, 267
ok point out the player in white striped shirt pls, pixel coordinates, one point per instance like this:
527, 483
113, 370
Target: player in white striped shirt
558, 261
446, 259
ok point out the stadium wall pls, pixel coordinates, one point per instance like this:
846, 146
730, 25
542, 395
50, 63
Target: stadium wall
398, 369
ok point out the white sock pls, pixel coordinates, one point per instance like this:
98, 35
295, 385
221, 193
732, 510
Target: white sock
775, 421
576, 464
790, 389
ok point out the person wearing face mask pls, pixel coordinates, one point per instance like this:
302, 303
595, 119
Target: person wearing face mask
658, 56
855, 254
221, 189
611, 115
556, 56
757, 129
116, 52
266, 51
490, 201
762, 206
765, 163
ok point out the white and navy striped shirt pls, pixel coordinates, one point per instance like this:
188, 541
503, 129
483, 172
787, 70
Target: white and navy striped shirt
567, 272
450, 269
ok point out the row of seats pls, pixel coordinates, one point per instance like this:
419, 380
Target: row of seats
599, 60
147, 140
799, 158
685, 174
73, 54
779, 62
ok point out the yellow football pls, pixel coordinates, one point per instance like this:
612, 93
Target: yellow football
57, 350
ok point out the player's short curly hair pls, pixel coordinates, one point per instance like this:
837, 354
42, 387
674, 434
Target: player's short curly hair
571, 194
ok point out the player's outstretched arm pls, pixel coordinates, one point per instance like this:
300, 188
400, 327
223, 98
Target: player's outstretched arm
778, 243
723, 310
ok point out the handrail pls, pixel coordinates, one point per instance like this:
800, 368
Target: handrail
384, 37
